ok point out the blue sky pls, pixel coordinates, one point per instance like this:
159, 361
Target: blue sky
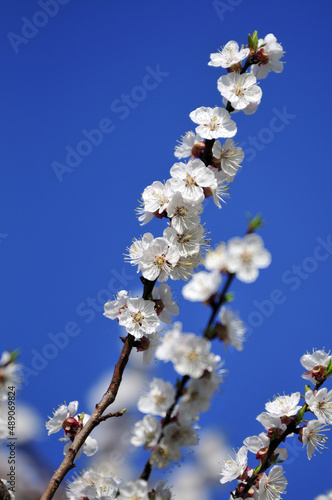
134, 71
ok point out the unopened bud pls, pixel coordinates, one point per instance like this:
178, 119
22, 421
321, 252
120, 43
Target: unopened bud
207, 192
160, 216
142, 344
261, 454
318, 372
70, 425
220, 331
158, 306
197, 149
274, 433
262, 57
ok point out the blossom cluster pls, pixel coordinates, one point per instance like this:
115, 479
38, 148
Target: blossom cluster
103, 484
238, 88
192, 359
209, 169
241, 256
206, 168
283, 417
141, 318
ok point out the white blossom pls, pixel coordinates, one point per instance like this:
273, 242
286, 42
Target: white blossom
190, 178
229, 156
320, 403
158, 259
271, 52
220, 190
197, 397
256, 443
273, 485
159, 398
192, 356
269, 421
189, 353
202, 286
229, 55
251, 108
134, 490
178, 434
216, 259
185, 148
184, 215
90, 446
137, 249
213, 122
284, 406
314, 362
234, 329
239, 90
163, 454
140, 317
164, 303
55, 423
93, 484
234, 465
155, 199
161, 492
312, 437
247, 255
146, 432
187, 243
165, 351
153, 342
185, 267
113, 308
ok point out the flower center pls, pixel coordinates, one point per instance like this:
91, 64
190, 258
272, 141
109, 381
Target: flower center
190, 181
160, 260
181, 211
246, 257
192, 356
239, 90
137, 318
213, 125
160, 399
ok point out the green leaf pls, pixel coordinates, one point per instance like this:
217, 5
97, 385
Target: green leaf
14, 355
255, 222
229, 297
300, 414
328, 369
253, 41
258, 468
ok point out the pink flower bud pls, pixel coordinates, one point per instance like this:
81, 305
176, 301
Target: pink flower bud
262, 57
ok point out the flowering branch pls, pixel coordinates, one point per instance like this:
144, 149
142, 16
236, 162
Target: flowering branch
176, 255
283, 419
96, 417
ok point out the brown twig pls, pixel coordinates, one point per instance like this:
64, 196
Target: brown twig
110, 415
